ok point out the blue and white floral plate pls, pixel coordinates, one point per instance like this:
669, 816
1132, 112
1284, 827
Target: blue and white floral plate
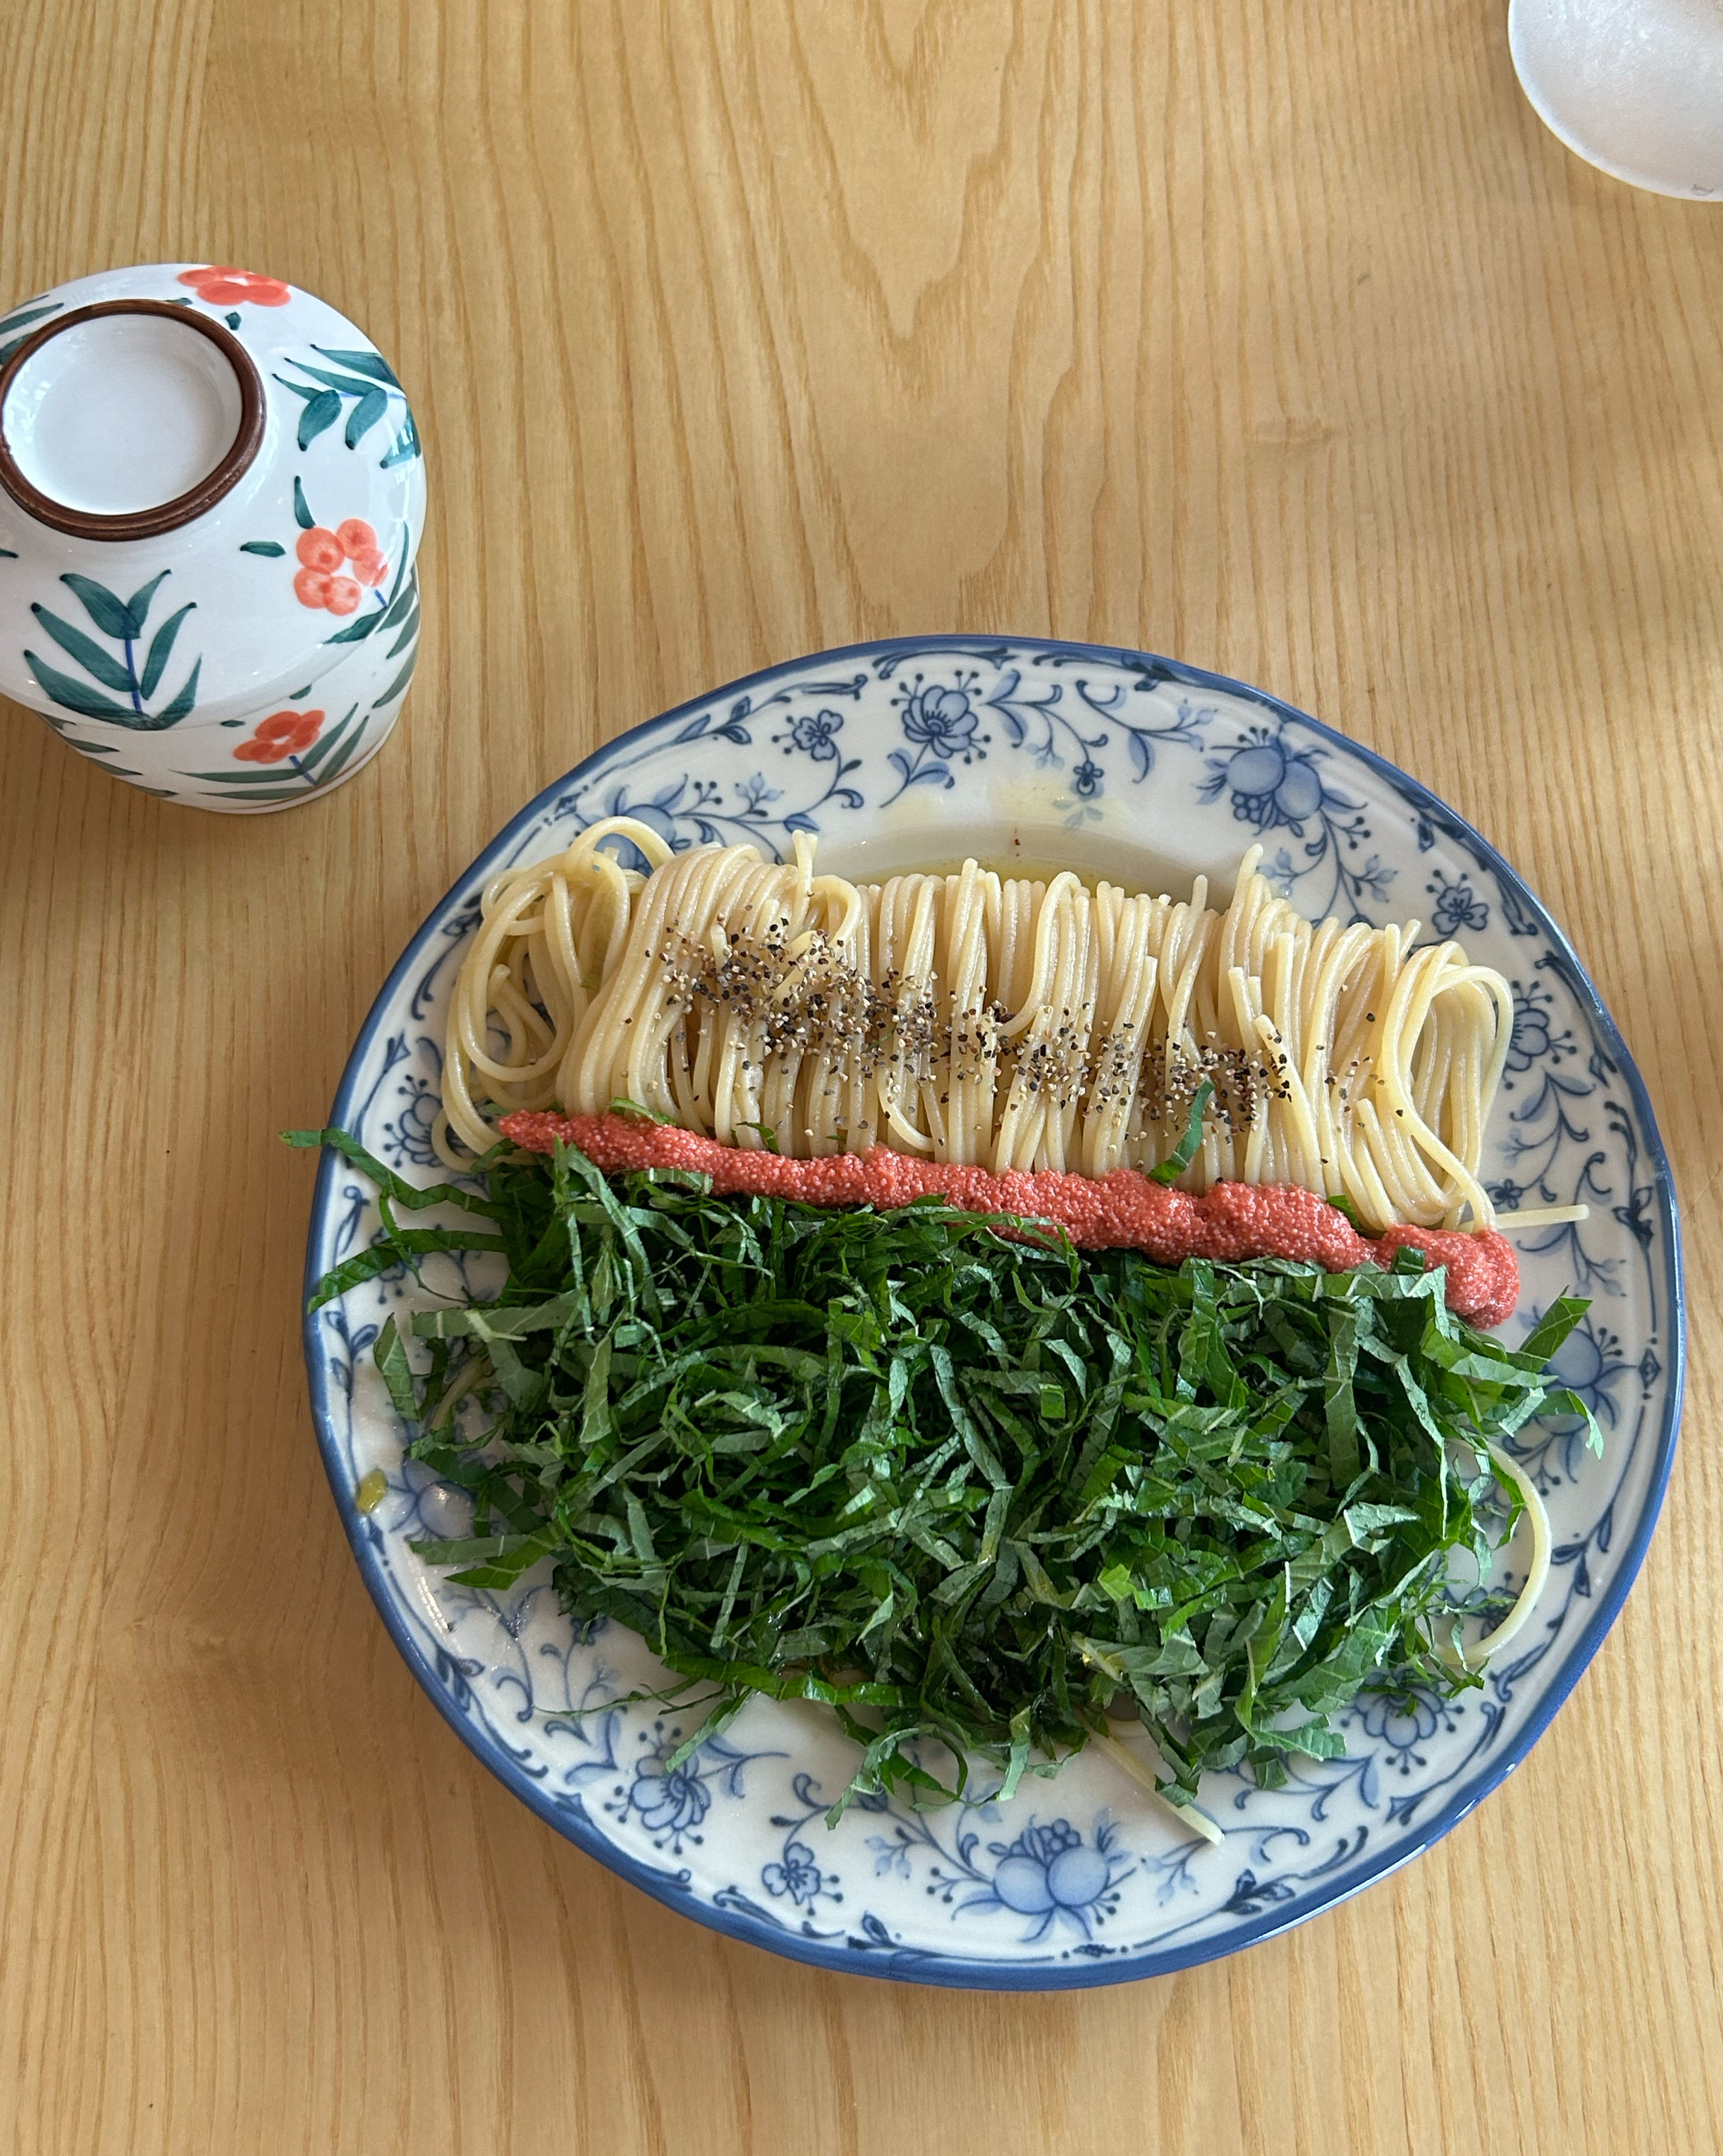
913, 753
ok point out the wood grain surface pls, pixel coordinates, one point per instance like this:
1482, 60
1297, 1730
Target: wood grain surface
1276, 334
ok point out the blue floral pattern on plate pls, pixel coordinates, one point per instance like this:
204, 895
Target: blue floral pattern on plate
1119, 763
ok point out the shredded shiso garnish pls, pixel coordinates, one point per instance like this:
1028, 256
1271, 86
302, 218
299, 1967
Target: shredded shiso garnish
970, 1491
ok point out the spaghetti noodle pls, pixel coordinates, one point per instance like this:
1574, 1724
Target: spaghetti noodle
980, 1020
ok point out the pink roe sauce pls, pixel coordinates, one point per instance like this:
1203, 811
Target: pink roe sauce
1231, 1222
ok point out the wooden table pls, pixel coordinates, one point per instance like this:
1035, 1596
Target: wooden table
1278, 336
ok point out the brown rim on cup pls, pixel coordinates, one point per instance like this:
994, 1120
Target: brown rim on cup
163, 516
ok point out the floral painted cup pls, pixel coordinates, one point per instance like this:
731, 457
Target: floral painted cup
211, 494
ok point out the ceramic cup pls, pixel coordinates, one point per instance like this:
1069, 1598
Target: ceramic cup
211, 494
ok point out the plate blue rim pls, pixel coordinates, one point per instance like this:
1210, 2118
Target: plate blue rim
914, 1965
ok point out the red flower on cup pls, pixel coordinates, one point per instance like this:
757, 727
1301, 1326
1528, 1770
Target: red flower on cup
232, 288
281, 735
325, 554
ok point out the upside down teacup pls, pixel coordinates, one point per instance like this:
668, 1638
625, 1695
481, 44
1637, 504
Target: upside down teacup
211, 493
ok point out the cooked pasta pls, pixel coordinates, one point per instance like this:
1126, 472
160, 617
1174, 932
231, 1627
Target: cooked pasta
982, 1018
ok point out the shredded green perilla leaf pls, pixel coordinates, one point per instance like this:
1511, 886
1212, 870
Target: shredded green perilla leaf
962, 1488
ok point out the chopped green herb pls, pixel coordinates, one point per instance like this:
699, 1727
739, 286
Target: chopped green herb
965, 1488
1185, 1150
398, 1245
621, 1105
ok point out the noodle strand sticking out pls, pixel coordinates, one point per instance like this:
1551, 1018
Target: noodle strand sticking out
981, 1020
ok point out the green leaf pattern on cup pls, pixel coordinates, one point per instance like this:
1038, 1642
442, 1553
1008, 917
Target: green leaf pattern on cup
19, 324
360, 383
135, 672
